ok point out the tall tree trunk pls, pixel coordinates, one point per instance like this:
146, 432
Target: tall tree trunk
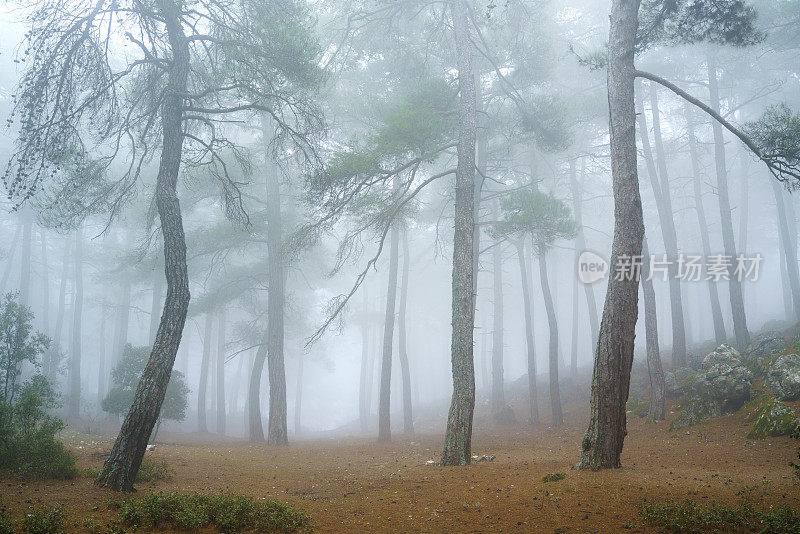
786, 289
25, 260
525, 276
728, 241
458, 436
202, 387
670, 236
552, 323
155, 305
498, 391
384, 403
408, 419
119, 470
655, 371
255, 429
791, 217
716, 310
602, 443
580, 243
10, 258
221, 371
101, 355
54, 352
363, 401
45, 316
277, 433
789, 246
122, 322
298, 395
74, 406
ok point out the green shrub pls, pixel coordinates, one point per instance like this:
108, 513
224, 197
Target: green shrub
225, 512
554, 477
28, 441
690, 517
6, 524
152, 471
43, 521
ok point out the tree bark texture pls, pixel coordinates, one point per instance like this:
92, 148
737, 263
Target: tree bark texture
655, 371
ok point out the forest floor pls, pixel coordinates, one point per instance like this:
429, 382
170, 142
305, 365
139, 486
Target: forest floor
356, 485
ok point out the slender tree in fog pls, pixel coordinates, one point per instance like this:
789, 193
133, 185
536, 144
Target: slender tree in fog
655, 371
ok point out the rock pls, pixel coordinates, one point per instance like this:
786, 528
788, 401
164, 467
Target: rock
694, 360
783, 377
724, 378
773, 419
676, 380
696, 411
764, 346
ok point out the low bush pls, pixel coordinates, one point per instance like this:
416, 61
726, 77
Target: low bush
152, 471
43, 521
225, 512
689, 517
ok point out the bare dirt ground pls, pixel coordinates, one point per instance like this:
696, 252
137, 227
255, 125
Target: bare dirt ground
356, 485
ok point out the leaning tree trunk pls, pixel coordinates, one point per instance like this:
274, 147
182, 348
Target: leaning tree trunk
221, 371
524, 273
555, 395
458, 436
602, 443
119, 470
384, 401
25, 259
655, 371
728, 241
277, 433
408, 419
202, 387
716, 310
74, 397
664, 195
498, 392
580, 243
155, 305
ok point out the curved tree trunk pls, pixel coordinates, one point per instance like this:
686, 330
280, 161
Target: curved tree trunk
458, 435
255, 429
155, 305
74, 397
552, 323
498, 388
525, 276
202, 388
119, 470
408, 419
602, 443
384, 403
716, 310
221, 371
277, 432
654, 369
728, 241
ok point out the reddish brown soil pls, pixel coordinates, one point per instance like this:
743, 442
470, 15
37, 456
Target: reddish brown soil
355, 485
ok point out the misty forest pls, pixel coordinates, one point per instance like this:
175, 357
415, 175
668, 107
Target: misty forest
399, 266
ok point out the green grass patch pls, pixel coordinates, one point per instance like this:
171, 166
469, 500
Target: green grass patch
553, 477
152, 471
43, 521
228, 513
689, 517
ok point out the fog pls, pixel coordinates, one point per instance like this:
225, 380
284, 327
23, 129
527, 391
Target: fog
88, 259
